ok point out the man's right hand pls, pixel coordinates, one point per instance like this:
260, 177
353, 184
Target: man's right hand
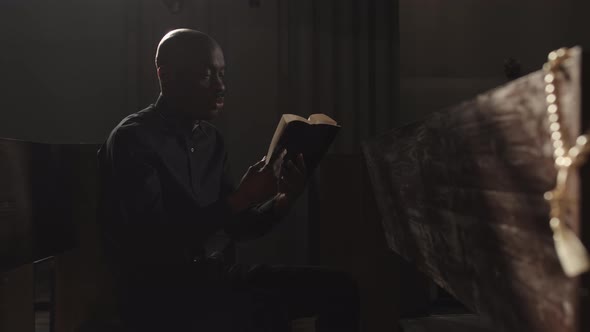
258, 185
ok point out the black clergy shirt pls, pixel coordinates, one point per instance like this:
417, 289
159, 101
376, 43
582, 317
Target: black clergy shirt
164, 188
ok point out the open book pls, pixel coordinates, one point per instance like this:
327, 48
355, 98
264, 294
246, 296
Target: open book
312, 137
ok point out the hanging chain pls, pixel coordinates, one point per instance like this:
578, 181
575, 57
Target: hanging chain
568, 157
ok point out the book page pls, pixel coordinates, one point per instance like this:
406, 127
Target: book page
321, 119
293, 117
275, 138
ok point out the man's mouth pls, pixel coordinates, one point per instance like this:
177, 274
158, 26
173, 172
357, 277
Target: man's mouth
219, 101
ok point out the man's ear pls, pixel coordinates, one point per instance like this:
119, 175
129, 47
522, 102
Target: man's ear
164, 76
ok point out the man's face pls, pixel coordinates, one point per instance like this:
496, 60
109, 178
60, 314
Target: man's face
199, 86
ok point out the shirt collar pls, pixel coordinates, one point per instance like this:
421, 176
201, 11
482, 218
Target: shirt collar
175, 120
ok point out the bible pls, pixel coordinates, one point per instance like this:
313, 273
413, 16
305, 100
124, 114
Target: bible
312, 137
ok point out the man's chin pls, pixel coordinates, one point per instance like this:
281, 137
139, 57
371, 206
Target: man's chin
205, 113
212, 114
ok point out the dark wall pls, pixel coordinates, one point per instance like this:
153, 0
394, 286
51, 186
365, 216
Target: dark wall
63, 66
450, 51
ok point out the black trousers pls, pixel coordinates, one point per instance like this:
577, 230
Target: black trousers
216, 297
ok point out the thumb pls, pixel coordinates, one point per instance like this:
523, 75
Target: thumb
259, 165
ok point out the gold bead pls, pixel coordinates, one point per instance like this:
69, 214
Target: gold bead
554, 126
549, 78
552, 108
567, 162
559, 161
547, 67
582, 140
561, 52
552, 56
553, 117
548, 196
556, 135
559, 152
558, 144
550, 88
551, 98
554, 222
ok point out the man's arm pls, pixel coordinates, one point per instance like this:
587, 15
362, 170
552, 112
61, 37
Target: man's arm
253, 222
259, 220
149, 224
248, 221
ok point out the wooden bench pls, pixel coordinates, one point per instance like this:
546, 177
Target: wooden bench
50, 267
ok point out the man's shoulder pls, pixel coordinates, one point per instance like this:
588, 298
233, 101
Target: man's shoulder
134, 132
143, 119
134, 127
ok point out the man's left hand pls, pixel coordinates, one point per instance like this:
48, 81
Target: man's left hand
292, 181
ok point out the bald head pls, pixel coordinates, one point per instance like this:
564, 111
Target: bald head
190, 68
180, 46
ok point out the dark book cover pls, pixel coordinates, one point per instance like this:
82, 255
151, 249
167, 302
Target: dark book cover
312, 140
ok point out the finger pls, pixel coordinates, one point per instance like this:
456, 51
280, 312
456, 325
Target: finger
292, 170
286, 171
294, 177
278, 157
284, 183
289, 165
281, 159
259, 165
301, 164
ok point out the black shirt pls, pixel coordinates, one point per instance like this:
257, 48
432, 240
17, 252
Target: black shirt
165, 183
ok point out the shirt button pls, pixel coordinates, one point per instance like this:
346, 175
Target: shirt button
192, 149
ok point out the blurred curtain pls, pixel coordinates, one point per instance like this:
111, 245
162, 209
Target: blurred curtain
341, 58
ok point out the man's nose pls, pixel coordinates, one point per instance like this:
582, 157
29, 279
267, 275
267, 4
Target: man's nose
219, 84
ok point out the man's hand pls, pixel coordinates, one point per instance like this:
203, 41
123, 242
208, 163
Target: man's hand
258, 185
292, 181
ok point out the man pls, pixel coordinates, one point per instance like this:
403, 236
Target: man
170, 213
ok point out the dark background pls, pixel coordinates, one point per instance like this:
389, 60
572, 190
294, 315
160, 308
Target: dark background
71, 69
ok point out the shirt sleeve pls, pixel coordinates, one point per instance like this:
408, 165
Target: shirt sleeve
251, 223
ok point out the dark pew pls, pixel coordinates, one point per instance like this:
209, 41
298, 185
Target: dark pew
40, 186
47, 214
